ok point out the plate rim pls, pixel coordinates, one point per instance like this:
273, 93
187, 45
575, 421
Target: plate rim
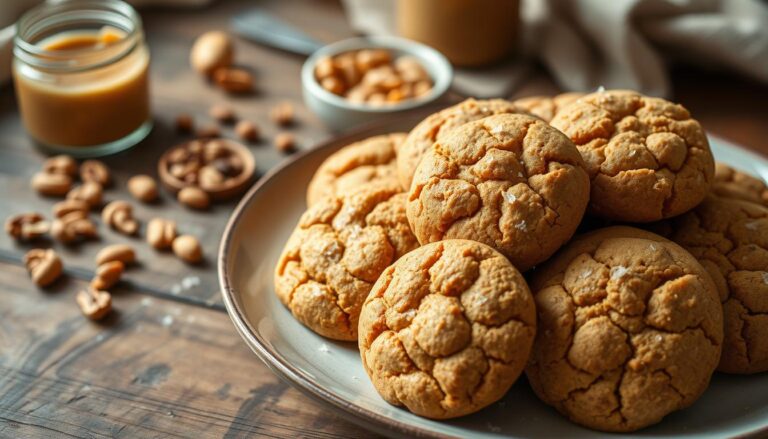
293, 375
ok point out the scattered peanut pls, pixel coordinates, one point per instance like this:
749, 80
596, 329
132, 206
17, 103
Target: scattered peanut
188, 249
233, 80
61, 164
285, 142
51, 184
119, 215
89, 192
116, 252
95, 171
161, 232
222, 113
212, 50
194, 197
143, 188
44, 266
73, 226
184, 123
67, 206
26, 226
208, 132
107, 275
94, 304
282, 114
248, 131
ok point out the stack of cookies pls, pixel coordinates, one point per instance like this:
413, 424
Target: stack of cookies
414, 243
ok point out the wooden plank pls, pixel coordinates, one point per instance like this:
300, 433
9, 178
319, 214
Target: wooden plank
175, 88
153, 368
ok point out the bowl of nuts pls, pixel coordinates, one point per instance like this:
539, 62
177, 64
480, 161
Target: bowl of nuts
360, 80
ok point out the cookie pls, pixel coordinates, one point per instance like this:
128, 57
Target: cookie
731, 183
646, 157
629, 330
546, 107
730, 239
447, 329
337, 251
435, 126
369, 160
510, 181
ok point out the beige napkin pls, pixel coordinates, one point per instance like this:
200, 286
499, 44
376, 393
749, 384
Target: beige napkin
11, 10
624, 43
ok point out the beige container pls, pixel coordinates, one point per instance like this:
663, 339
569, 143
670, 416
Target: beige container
468, 32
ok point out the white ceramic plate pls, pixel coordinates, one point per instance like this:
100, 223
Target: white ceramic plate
331, 371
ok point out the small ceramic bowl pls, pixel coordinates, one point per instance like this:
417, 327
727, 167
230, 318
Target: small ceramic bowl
340, 114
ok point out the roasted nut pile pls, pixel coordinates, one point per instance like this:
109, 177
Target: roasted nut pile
373, 76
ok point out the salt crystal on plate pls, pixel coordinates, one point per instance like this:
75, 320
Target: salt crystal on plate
167, 320
324, 348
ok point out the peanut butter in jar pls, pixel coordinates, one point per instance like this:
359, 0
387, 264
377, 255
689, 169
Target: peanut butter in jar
469, 33
82, 86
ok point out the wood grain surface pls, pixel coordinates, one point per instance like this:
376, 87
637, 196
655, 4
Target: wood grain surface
168, 362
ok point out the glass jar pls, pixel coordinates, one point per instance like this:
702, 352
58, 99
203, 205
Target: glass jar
81, 72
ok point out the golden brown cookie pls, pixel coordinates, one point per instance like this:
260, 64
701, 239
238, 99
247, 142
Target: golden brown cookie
646, 157
369, 160
338, 250
447, 329
629, 329
546, 107
434, 127
731, 183
510, 181
730, 239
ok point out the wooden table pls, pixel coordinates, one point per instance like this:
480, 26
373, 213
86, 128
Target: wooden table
168, 362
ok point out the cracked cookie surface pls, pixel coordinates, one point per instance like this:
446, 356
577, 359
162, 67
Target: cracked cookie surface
447, 329
337, 251
730, 239
510, 181
437, 125
629, 329
646, 157
732, 183
366, 161
546, 107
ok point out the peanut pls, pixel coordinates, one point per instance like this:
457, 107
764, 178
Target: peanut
119, 215
73, 226
194, 197
94, 304
185, 123
211, 51
222, 113
208, 131
282, 114
95, 171
26, 226
107, 275
44, 266
248, 131
51, 184
231, 80
143, 188
116, 252
285, 142
89, 191
161, 233
188, 249
61, 164
210, 178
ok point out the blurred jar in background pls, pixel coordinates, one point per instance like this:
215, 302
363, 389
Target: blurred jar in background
468, 32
